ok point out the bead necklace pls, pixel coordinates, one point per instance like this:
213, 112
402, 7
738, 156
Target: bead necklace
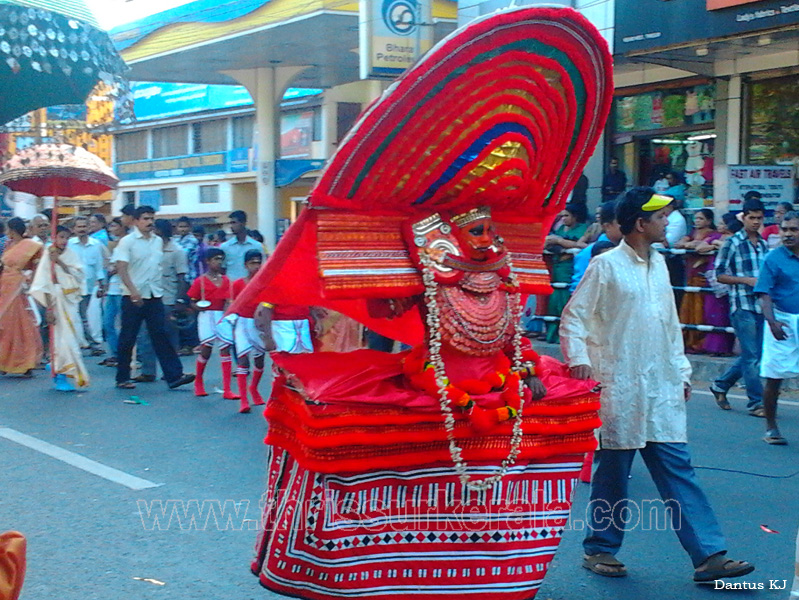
439, 369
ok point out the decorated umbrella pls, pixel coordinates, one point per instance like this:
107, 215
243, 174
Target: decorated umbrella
57, 170
53, 52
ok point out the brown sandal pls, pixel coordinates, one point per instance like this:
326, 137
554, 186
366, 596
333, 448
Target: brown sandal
605, 564
719, 566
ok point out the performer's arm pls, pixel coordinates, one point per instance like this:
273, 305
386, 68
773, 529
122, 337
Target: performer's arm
263, 321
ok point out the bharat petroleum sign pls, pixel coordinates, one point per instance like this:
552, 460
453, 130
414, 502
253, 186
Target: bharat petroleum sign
392, 36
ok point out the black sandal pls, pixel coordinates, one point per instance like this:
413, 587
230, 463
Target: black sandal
596, 562
126, 385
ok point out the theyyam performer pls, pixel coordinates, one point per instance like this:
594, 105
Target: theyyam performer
447, 469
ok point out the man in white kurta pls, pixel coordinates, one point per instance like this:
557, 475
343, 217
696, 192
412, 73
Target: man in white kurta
621, 328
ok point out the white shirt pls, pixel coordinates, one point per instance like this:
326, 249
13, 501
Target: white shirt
92, 257
676, 229
143, 255
622, 322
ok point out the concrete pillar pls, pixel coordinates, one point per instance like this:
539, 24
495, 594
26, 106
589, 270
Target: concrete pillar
729, 115
267, 86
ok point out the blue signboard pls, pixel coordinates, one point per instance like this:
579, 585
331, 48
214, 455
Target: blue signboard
288, 170
163, 100
240, 160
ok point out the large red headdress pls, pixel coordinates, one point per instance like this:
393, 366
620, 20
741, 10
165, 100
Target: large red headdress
503, 113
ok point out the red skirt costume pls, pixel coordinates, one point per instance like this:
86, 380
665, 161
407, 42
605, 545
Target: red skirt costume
432, 473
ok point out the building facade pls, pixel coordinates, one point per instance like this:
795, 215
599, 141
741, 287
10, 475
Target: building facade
710, 90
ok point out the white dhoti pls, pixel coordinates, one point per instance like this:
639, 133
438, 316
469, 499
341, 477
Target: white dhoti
292, 336
247, 337
780, 358
208, 327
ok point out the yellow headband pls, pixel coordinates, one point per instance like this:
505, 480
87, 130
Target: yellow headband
656, 202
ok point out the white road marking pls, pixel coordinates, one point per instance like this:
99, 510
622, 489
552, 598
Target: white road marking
737, 397
76, 460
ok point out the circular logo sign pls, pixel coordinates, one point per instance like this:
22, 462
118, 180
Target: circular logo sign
400, 16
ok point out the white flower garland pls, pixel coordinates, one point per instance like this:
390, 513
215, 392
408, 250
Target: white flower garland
434, 328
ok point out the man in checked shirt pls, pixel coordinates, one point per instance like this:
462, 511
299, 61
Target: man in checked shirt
738, 265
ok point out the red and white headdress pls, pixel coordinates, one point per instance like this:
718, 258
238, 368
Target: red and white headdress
503, 113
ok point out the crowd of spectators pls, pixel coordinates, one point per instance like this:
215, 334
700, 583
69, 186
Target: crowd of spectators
88, 260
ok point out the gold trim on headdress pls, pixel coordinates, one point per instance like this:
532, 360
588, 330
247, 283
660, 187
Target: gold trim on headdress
463, 219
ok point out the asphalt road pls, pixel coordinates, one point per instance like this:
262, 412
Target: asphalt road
94, 537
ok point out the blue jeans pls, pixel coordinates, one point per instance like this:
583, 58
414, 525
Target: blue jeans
749, 329
113, 304
669, 464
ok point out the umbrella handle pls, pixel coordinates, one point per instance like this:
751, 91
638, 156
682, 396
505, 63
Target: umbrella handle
51, 326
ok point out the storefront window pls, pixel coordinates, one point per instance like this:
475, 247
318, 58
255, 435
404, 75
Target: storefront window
774, 121
666, 139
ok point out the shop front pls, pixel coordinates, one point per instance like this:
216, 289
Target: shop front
665, 138
772, 129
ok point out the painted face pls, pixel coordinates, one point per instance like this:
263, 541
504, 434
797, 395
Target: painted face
477, 238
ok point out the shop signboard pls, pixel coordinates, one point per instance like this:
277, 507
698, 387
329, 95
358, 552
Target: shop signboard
665, 109
162, 100
179, 166
647, 24
241, 161
774, 182
393, 34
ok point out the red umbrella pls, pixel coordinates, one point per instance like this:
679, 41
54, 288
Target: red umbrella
57, 170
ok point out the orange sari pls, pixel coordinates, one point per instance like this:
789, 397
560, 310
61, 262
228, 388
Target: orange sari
20, 342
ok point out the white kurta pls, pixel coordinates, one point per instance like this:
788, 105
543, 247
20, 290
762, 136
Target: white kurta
622, 322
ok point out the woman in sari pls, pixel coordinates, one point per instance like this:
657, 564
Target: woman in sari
20, 343
57, 286
692, 309
567, 236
